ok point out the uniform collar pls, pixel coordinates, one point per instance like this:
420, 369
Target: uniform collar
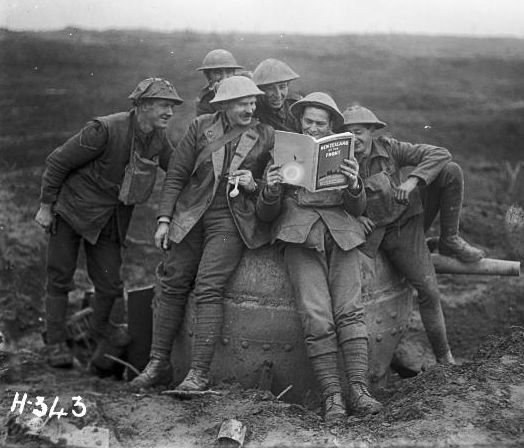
377, 150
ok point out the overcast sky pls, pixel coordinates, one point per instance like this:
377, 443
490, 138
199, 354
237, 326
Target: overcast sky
459, 17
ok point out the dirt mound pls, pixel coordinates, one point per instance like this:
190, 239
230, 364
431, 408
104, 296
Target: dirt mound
478, 403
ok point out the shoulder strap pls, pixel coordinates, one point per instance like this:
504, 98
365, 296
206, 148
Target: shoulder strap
224, 139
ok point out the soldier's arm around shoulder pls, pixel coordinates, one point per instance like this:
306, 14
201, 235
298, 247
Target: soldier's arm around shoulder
428, 160
179, 169
80, 149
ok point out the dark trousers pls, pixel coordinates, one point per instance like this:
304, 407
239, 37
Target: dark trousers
447, 186
406, 248
103, 260
327, 289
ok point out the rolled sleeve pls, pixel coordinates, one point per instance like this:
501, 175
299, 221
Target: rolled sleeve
428, 160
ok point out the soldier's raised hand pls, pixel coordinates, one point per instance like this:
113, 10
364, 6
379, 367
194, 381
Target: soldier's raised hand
245, 180
350, 168
274, 178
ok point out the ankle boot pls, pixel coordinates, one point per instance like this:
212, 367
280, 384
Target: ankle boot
451, 197
325, 369
157, 372
360, 400
195, 380
446, 359
334, 410
59, 355
456, 247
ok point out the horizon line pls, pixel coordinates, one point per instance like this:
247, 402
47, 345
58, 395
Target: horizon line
264, 33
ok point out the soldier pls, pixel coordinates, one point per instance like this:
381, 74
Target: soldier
217, 65
208, 224
89, 189
395, 217
320, 236
445, 193
273, 77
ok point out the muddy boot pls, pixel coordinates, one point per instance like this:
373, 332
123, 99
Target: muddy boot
195, 380
355, 353
112, 343
447, 358
334, 410
361, 402
59, 355
167, 317
451, 196
158, 372
325, 368
456, 247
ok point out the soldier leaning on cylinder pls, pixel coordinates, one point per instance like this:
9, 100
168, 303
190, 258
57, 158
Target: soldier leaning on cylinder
320, 235
395, 217
89, 189
208, 224
217, 65
273, 77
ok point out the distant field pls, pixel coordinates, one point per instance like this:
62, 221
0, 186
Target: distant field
463, 93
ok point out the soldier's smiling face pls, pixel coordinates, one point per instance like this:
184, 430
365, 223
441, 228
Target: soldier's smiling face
315, 122
240, 112
363, 136
158, 112
276, 94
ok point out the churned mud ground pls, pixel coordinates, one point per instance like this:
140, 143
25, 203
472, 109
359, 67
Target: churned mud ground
478, 403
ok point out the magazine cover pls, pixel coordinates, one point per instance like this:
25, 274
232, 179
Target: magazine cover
313, 164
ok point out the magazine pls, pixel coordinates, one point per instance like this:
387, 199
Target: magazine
311, 163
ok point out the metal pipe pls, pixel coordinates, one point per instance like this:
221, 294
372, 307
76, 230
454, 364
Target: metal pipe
486, 266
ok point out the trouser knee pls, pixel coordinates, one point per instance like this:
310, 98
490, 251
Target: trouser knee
451, 173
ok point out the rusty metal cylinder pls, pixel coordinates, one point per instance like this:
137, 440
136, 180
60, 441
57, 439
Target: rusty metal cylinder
262, 341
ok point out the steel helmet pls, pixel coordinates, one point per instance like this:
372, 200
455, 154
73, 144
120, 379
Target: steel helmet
361, 115
219, 59
320, 100
235, 87
155, 88
271, 71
